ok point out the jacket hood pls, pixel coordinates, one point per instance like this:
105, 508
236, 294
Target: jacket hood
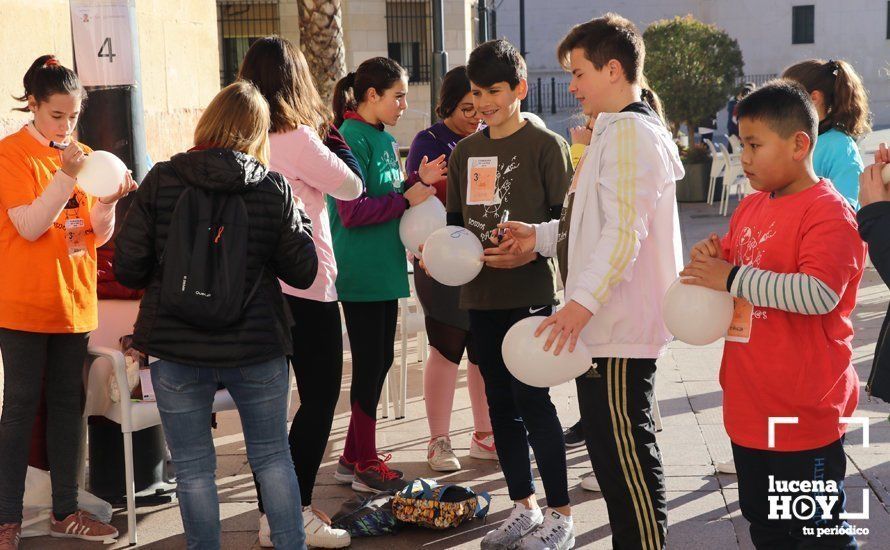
657, 129
219, 170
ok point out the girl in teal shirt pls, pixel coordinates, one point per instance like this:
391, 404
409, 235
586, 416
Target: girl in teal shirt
371, 259
842, 105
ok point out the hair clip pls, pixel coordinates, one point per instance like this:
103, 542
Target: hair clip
833, 66
51, 62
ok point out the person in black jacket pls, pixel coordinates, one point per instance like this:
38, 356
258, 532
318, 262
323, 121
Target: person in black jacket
248, 357
874, 228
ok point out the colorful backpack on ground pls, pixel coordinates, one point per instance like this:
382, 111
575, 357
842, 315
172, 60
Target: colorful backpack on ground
367, 517
438, 507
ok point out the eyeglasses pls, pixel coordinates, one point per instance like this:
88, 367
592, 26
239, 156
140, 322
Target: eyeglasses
468, 112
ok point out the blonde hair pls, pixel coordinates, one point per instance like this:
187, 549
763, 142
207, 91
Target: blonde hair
238, 119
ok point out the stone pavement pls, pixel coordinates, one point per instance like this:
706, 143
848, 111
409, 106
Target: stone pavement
703, 507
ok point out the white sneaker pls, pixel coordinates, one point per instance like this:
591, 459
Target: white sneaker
556, 533
483, 449
589, 483
520, 523
727, 467
441, 457
319, 532
265, 534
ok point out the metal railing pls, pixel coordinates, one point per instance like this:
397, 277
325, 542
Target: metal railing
550, 95
758, 79
241, 23
409, 32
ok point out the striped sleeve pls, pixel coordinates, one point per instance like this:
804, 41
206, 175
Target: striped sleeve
793, 292
627, 198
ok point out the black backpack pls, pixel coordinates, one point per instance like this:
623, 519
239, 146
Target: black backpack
204, 262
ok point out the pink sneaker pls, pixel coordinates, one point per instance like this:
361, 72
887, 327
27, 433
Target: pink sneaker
10, 534
81, 525
484, 448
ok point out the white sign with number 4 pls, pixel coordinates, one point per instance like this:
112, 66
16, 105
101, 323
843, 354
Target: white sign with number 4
102, 31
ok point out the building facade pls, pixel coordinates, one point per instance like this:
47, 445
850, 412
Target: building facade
179, 58
772, 34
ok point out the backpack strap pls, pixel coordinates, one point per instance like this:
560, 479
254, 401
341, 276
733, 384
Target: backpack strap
482, 511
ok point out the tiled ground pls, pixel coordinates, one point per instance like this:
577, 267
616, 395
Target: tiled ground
703, 507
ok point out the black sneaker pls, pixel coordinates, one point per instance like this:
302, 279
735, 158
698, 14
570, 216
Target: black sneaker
574, 436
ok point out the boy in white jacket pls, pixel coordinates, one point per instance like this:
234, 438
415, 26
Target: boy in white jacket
619, 248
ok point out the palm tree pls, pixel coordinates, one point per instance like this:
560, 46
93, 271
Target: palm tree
321, 39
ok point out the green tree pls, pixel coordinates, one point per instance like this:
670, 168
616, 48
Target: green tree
693, 67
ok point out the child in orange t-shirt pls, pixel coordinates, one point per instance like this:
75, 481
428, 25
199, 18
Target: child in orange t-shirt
793, 261
49, 232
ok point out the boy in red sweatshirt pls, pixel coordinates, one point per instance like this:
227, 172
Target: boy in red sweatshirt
792, 259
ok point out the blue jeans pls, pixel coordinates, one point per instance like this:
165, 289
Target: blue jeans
185, 398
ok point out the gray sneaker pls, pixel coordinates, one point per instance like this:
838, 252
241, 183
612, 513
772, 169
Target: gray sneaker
375, 477
556, 533
345, 472
520, 523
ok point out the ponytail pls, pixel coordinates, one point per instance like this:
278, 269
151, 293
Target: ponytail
648, 95
379, 73
846, 100
344, 98
46, 77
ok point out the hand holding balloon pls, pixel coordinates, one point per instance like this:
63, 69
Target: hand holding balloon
707, 248
566, 324
128, 186
101, 174
874, 180
707, 272
418, 193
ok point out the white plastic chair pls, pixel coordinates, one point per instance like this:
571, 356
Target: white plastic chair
116, 319
718, 165
736, 145
733, 178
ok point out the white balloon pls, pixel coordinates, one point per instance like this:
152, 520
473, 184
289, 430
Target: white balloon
695, 314
419, 222
102, 174
453, 255
526, 359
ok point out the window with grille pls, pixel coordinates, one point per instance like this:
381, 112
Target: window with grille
409, 36
241, 23
803, 22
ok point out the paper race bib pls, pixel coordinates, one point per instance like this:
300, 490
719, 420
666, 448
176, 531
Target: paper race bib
481, 179
75, 232
742, 317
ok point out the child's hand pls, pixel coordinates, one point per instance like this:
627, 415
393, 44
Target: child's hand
126, 187
501, 259
707, 272
519, 238
580, 134
871, 182
567, 325
707, 248
418, 193
73, 158
432, 171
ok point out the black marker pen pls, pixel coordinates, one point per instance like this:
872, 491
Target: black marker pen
56, 145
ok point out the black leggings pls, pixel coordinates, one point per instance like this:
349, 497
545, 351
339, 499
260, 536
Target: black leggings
26, 357
450, 341
371, 327
318, 366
